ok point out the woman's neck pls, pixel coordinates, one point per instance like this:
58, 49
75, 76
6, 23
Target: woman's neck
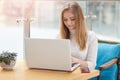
72, 32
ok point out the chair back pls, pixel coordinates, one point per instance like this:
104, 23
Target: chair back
107, 52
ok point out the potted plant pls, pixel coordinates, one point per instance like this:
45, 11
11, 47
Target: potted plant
7, 60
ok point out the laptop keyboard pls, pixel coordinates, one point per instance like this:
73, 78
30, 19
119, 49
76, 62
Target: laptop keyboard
73, 64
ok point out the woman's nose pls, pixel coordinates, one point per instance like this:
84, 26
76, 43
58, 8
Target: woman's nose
69, 23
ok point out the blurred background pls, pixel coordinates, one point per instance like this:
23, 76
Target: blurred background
102, 17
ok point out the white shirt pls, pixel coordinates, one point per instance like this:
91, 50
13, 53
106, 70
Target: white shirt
90, 53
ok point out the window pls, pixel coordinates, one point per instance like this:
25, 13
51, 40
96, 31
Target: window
106, 17
103, 17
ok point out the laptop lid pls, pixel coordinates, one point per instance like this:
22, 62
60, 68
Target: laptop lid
52, 54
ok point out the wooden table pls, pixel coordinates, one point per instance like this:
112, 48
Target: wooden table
21, 72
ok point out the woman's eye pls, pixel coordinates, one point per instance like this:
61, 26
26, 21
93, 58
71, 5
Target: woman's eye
64, 19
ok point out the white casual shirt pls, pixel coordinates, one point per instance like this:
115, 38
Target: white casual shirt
89, 54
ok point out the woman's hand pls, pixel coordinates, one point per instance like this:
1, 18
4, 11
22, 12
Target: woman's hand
82, 63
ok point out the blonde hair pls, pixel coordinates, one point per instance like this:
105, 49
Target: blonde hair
80, 24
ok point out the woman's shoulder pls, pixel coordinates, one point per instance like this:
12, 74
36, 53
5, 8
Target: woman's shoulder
91, 35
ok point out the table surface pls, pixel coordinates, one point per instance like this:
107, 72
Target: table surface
21, 72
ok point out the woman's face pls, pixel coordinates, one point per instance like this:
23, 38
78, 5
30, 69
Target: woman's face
69, 20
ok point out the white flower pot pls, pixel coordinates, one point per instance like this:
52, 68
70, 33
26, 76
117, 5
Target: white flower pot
8, 67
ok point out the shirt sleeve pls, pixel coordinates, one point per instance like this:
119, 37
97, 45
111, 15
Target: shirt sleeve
92, 50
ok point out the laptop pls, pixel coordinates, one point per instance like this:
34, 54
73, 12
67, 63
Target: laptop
53, 54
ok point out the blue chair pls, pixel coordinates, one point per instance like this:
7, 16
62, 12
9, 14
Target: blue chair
108, 61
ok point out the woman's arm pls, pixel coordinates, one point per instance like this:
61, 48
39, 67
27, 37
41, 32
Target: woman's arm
91, 53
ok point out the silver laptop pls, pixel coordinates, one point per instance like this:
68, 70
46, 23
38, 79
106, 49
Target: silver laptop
54, 54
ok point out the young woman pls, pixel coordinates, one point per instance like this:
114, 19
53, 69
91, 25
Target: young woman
84, 43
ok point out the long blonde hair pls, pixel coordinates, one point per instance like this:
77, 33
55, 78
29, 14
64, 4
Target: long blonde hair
80, 24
